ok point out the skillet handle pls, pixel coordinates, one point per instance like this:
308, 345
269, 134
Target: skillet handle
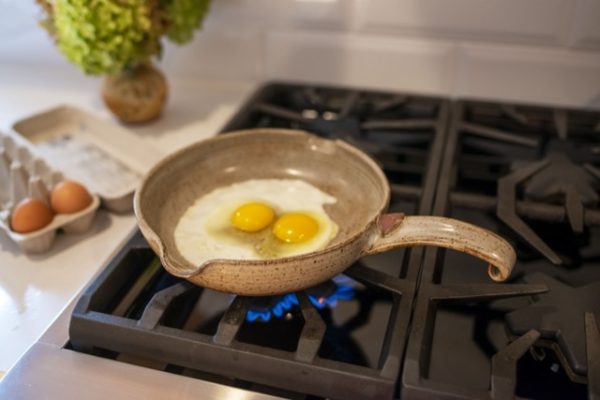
397, 230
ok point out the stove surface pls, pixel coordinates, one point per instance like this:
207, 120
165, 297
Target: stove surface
416, 323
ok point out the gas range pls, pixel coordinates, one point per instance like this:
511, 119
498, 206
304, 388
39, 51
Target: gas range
410, 323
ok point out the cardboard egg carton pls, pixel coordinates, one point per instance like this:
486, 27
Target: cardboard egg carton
108, 159
22, 175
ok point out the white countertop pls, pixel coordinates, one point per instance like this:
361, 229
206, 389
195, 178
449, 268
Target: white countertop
35, 289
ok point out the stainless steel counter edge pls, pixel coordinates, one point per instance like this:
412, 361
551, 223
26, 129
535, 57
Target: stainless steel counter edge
51, 372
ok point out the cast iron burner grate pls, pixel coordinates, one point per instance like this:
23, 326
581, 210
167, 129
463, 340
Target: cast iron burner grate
167, 327
535, 336
540, 163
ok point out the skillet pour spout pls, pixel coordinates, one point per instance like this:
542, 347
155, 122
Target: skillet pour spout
335, 167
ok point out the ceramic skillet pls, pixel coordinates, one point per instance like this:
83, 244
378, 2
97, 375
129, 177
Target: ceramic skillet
335, 167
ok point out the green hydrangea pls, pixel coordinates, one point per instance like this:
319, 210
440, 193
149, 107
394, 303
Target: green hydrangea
104, 36
183, 17
109, 36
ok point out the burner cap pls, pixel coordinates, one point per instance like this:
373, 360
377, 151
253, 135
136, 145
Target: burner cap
560, 177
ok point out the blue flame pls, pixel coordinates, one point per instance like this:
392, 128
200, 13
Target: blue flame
285, 304
343, 291
252, 316
289, 300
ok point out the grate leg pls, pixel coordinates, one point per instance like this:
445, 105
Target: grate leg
592, 336
312, 332
506, 209
160, 302
504, 365
231, 322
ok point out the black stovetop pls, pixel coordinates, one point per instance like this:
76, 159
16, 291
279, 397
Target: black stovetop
416, 323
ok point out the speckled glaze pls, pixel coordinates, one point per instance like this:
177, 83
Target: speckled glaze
335, 167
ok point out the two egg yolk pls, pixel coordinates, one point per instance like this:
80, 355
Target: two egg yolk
290, 228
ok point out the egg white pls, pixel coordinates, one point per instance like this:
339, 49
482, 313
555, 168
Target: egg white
205, 232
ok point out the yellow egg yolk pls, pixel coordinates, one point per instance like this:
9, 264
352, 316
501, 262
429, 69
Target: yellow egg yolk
295, 228
252, 217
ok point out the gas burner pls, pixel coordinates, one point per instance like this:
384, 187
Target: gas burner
559, 315
562, 179
556, 179
323, 295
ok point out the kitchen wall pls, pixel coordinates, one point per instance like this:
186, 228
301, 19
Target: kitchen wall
528, 50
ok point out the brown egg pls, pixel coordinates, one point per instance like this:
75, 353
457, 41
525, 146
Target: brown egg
69, 197
30, 215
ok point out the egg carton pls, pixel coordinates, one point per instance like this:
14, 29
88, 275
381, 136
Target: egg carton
108, 159
23, 174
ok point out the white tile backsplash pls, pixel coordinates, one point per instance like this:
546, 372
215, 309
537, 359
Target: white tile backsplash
524, 73
356, 60
586, 28
221, 54
527, 50
270, 14
529, 74
536, 21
